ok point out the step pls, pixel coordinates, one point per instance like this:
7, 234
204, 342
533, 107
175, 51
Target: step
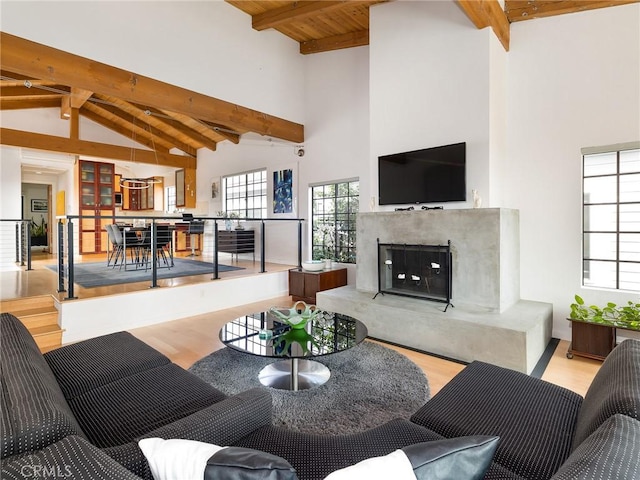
38, 317
26, 303
48, 337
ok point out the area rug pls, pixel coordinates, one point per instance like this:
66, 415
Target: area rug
98, 274
369, 385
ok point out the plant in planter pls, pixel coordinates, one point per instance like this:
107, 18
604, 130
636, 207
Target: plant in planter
626, 316
38, 232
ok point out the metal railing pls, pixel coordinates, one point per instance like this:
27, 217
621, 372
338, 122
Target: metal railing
18, 239
66, 235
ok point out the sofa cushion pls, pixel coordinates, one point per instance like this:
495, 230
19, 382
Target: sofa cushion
125, 409
89, 364
612, 451
535, 420
614, 389
34, 411
72, 457
316, 456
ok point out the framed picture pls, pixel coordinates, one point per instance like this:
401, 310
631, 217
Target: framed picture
282, 196
283, 191
39, 205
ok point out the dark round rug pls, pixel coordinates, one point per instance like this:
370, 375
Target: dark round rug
369, 385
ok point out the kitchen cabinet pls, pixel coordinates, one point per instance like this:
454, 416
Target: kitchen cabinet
186, 188
97, 199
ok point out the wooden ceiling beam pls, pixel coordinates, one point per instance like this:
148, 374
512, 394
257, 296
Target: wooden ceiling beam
126, 127
224, 132
186, 131
21, 103
39, 141
29, 58
79, 97
207, 136
22, 91
519, 10
155, 126
91, 112
337, 42
488, 13
294, 12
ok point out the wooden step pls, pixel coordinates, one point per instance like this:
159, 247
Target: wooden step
26, 303
47, 338
40, 316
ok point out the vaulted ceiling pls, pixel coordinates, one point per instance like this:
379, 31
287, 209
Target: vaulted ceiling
163, 117
320, 26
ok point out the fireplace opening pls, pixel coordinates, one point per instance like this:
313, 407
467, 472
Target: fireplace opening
422, 271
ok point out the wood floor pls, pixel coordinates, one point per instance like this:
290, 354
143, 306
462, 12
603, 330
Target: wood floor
187, 340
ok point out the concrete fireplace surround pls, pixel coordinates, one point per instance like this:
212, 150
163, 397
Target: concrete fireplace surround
489, 321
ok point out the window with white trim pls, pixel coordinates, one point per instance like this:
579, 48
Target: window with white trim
170, 199
611, 219
333, 220
245, 194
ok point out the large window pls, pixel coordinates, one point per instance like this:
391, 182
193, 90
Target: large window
611, 219
333, 221
245, 195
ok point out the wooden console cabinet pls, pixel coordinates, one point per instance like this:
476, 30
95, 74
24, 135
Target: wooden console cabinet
591, 340
236, 241
304, 285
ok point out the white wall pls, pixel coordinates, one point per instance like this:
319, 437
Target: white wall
574, 81
429, 83
207, 47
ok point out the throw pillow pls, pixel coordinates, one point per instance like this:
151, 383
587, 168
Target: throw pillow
178, 459
238, 463
396, 465
463, 458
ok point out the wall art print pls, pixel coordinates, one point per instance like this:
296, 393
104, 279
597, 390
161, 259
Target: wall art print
283, 191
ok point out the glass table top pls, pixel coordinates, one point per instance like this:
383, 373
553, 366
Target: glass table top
327, 333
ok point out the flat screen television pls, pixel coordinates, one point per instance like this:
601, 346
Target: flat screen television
423, 176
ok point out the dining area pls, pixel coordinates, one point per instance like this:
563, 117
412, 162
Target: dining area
136, 246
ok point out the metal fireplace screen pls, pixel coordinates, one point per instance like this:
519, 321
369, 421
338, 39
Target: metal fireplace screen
422, 271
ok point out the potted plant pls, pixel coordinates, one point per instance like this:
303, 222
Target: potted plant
624, 316
38, 232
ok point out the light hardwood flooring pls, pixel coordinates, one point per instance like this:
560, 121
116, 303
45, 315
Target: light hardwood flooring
187, 340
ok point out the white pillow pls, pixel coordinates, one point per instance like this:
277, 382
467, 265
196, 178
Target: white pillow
396, 465
177, 459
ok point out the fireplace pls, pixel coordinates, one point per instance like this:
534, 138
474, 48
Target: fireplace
421, 271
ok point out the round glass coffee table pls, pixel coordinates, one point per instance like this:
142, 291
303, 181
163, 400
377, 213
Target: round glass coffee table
262, 334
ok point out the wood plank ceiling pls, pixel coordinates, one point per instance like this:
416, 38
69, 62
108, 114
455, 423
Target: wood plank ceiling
320, 26
162, 117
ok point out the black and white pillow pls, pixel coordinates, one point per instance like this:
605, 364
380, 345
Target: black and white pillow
178, 459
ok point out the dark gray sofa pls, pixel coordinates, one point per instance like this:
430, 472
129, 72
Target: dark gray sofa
84, 406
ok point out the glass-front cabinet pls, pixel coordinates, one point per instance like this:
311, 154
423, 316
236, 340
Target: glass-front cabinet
97, 189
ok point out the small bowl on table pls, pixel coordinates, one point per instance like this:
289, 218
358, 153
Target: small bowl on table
313, 265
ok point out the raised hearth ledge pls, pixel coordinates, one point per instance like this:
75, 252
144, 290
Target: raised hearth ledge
515, 338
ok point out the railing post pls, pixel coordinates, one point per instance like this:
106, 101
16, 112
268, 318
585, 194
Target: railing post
215, 251
60, 232
18, 242
27, 234
299, 243
154, 255
262, 230
70, 285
